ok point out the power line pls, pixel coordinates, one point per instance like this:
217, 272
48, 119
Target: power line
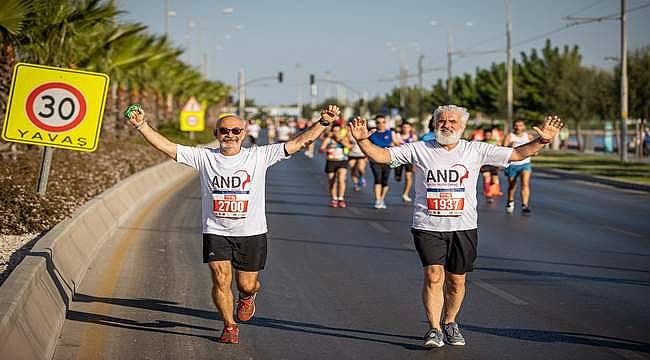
587, 8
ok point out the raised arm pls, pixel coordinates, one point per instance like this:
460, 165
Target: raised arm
327, 116
137, 120
359, 130
552, 126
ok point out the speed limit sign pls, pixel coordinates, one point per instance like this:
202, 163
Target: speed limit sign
55, 107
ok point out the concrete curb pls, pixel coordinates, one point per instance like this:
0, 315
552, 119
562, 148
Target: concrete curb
35, 297
595, 179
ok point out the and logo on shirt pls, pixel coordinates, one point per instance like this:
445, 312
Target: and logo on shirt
446, 190
230, 195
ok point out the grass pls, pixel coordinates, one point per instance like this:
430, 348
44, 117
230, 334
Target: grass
598, 165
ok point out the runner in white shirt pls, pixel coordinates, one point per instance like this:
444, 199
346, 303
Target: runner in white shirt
233, 215
516, 169
253, 130
444, 211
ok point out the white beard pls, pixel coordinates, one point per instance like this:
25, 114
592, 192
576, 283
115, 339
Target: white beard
447, 139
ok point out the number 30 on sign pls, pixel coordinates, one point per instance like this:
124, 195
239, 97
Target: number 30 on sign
55, 107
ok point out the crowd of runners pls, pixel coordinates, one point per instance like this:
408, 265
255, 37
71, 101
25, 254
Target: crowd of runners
346, 164
443, 171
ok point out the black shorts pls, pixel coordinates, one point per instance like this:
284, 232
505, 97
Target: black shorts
493, 170
333, 165
400, 169
380, 172
456, 250
247, 253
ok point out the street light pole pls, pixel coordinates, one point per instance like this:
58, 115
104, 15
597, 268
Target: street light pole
242, 94
450, 79
509, 64
624, 109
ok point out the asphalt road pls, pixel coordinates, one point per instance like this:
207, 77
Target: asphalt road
570, 281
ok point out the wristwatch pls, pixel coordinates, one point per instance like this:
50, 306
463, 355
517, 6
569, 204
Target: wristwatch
544, 141
323, 122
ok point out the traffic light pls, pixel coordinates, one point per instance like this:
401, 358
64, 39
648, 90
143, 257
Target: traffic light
280, 76
312, 79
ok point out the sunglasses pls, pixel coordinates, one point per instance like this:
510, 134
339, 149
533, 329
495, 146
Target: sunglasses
234, 131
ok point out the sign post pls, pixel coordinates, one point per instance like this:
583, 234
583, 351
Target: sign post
55, 108
192, 117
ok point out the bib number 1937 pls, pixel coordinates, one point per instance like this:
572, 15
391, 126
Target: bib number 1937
445, 202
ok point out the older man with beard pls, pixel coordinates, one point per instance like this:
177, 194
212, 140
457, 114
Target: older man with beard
233, 180
445, 216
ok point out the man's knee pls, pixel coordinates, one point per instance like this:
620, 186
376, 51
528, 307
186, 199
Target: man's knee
248, 287
434, 275
454, 283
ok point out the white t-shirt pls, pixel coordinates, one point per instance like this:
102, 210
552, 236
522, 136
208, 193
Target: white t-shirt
254, 130
232, 187
445, 181
284, 133
518, 140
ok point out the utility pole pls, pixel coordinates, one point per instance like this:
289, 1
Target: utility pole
450, 79
167, 18
509, 65
420, 86
623, 139
403, 74
301, 86
328, 88
242, 94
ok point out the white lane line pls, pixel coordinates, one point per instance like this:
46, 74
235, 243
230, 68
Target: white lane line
498, 292
621, 231
379, 227
355, 211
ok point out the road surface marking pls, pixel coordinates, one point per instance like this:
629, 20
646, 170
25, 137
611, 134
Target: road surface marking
355, 211
621, 231
498, 292
379, 227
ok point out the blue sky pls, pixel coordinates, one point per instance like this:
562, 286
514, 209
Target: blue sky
360, 42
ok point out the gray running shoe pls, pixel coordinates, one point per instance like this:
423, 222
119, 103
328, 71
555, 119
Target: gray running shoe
452, 334
510, 207
433, 339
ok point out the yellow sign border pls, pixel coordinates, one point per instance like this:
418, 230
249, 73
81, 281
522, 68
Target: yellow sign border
70, 147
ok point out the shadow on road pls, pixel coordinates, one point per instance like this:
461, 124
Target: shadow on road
553, 274
561, 263
547, 336
162, 326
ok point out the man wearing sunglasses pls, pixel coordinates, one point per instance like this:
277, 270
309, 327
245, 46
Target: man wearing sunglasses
233, 197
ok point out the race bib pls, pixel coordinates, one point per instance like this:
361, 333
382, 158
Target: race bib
445, 202
230, 204
336, 154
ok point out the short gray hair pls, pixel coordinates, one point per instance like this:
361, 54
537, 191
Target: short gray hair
464, 114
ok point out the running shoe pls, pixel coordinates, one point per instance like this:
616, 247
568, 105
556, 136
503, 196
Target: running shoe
363, 182
452, 334
382, 204
510, 207
433, 339
230, 335
334, 203
489, 200
246, 307
342, 204
525, 210
377, 204
357, 188
406, 199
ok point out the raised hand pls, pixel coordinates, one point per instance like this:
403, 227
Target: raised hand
359, 129
551, 127
135, 116
330, 113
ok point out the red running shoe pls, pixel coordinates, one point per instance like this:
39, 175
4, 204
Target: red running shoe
246, 308
334, 203
230, 335
342, 204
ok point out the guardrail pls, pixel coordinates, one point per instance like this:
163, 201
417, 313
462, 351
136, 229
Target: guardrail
36, 295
